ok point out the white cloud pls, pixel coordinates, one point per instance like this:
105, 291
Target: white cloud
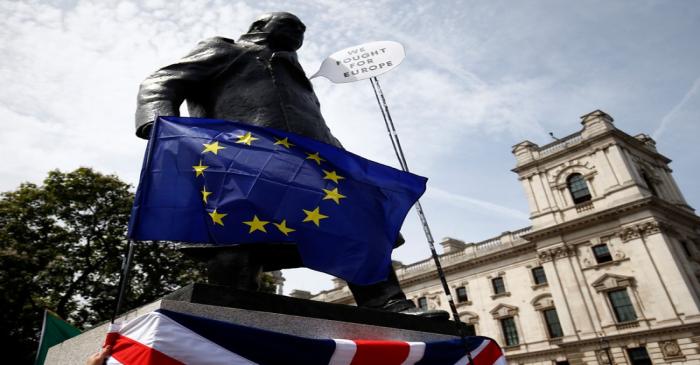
669, 117
73, 76
477, 204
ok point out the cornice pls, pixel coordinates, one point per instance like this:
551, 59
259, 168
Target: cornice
678, 214
687, 215
514, 251
565, 346
640, 334
586, 143
587, 220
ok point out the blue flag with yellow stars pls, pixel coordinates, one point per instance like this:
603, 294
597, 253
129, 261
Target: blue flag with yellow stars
222, 182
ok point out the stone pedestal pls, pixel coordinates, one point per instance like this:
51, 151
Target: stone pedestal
293, 316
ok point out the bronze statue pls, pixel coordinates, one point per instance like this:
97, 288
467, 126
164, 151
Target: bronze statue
258, 80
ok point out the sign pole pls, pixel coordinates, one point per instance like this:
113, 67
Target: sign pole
367, 61
394, 137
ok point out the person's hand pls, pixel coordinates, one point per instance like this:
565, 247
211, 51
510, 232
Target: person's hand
99, 357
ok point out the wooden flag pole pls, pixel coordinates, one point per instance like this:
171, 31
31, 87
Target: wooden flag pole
396, 144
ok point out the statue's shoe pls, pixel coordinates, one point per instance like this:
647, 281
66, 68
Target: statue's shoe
435, 314
406, 306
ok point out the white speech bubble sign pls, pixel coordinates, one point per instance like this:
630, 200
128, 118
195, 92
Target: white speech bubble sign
361, 62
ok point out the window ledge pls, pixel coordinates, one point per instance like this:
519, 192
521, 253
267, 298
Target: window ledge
556, 340
604, 264
584, 206
504, 294
466, 302
625, 325
537, 286
680, 357
511, 347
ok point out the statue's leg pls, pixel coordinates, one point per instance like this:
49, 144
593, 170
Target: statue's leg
235, 267
241, 266
386, 295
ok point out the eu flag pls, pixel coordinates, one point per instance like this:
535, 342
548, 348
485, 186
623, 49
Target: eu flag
221, 182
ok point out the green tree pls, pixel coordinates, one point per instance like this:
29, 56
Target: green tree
61, 246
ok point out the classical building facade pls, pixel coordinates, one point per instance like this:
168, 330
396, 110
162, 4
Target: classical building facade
607, 273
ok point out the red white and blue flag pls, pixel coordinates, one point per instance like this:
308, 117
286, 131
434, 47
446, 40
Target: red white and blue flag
168, 338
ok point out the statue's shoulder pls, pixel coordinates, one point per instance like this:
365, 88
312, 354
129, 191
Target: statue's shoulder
217, 41
217, 47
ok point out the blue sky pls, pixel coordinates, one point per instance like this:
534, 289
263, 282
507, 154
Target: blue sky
479, 77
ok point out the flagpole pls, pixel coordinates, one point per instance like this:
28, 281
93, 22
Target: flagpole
41, 337
123, 278
128, 257
396, 144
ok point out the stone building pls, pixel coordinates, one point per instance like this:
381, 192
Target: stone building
607, 273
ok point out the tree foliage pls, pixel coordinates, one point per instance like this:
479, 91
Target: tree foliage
61, 246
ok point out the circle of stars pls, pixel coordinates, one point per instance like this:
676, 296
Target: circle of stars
255, 224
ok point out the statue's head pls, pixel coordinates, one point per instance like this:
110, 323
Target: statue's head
284, 31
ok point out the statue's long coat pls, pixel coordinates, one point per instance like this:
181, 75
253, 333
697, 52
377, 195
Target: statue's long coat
242, 81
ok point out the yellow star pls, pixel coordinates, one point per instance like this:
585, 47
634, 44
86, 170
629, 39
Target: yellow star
205, 194
315, 157
314, 216
216, 217
283, 227
212, 147
285, 142
333, 195
199, 169
246, 139
256, 225
331, 175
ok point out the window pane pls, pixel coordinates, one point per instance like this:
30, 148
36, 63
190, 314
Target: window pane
553, 326
602, 253
462, 294
510, 333
639, 356
538, 275
578, 188
622, 306
498, 286
423, 303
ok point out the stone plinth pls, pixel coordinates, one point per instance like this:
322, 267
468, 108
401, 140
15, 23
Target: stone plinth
277, 313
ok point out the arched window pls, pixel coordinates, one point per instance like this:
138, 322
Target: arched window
545, 305
578, 188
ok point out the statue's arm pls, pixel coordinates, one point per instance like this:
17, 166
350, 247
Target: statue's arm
337, 141
163, 92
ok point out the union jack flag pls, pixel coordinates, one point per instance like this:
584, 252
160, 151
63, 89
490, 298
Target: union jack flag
164, 337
